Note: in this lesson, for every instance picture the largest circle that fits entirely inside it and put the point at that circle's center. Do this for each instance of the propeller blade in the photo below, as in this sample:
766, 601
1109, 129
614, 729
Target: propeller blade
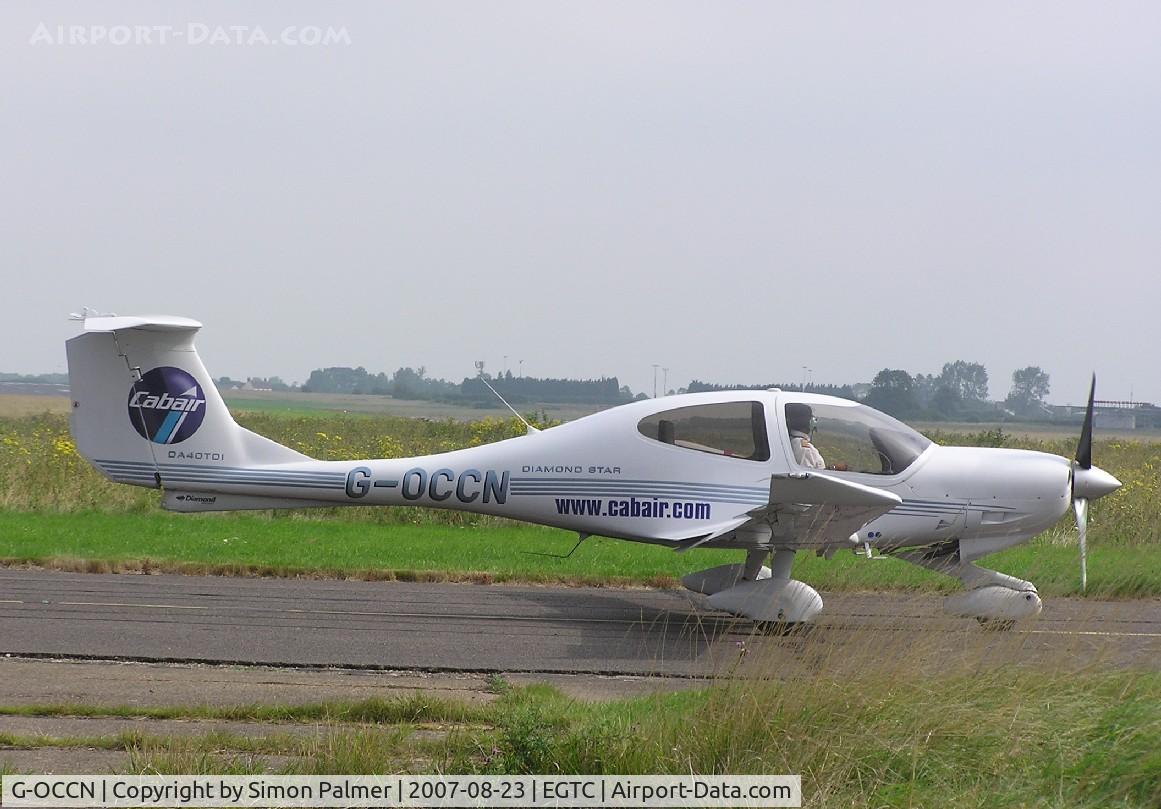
1084, 448
1080, 507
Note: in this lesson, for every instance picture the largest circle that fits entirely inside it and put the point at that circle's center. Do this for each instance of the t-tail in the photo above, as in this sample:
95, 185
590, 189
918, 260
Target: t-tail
145, 411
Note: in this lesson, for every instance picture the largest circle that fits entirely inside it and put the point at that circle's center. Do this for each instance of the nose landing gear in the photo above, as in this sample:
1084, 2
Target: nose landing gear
995, 599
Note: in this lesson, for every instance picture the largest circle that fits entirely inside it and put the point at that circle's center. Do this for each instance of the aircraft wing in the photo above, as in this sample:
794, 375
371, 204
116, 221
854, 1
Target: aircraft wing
807, 509
825, 510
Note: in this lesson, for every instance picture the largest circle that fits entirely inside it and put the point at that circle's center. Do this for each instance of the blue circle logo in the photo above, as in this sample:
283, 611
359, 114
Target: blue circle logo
167, 405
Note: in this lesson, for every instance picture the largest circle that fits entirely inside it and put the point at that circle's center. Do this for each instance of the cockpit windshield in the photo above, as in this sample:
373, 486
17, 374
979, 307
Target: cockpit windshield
851, 439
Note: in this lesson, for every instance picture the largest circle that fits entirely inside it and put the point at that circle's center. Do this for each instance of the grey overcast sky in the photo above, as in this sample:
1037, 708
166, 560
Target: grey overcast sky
732, 190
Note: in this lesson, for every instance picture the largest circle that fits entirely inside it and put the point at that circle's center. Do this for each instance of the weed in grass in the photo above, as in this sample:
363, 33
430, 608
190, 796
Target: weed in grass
188, 756
527, 738
497, 684
360, 751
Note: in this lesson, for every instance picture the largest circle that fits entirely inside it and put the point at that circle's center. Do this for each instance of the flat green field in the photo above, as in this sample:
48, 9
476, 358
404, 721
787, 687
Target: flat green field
14, 405
55, 510
256, 545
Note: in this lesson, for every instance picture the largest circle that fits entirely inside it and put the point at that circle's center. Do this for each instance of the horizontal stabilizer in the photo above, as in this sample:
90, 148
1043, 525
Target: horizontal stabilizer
141, 322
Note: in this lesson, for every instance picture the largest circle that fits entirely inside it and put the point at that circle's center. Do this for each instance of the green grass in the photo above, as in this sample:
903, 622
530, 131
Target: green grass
283, 546
116, 741
412, 709
56, 510
136, 742
1000, 738
974, 736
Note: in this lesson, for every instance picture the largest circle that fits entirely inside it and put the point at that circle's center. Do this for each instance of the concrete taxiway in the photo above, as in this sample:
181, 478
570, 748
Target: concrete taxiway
504, 628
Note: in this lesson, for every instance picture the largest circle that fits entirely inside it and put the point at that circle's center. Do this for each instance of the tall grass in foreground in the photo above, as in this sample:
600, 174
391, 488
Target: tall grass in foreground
882, 718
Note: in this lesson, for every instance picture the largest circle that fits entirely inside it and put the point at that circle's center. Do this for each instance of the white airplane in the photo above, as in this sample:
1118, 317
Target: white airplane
769, 473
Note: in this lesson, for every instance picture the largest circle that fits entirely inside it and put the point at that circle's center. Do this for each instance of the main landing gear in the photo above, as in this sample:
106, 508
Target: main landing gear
752, 590
768, 594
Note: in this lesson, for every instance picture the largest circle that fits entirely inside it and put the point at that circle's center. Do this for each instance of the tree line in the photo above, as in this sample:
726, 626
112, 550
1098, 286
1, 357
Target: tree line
36, 379
414, 383
958, 392
842, 391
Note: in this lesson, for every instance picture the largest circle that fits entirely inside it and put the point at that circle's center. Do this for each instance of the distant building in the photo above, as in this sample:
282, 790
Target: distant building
1109, 414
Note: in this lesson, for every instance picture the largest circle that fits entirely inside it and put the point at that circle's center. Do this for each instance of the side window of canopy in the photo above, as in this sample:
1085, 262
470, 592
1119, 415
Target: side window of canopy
734, 429
854, 438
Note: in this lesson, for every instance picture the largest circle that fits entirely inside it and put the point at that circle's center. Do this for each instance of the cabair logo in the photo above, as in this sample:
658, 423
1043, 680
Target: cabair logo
167, 405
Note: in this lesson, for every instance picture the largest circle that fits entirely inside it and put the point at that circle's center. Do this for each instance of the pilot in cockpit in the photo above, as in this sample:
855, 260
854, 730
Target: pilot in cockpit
798, 420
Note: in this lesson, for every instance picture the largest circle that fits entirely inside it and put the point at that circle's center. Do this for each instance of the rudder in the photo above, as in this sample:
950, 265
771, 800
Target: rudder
142, 400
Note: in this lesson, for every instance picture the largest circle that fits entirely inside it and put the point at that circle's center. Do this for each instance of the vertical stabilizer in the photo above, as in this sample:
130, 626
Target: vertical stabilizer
143, 401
